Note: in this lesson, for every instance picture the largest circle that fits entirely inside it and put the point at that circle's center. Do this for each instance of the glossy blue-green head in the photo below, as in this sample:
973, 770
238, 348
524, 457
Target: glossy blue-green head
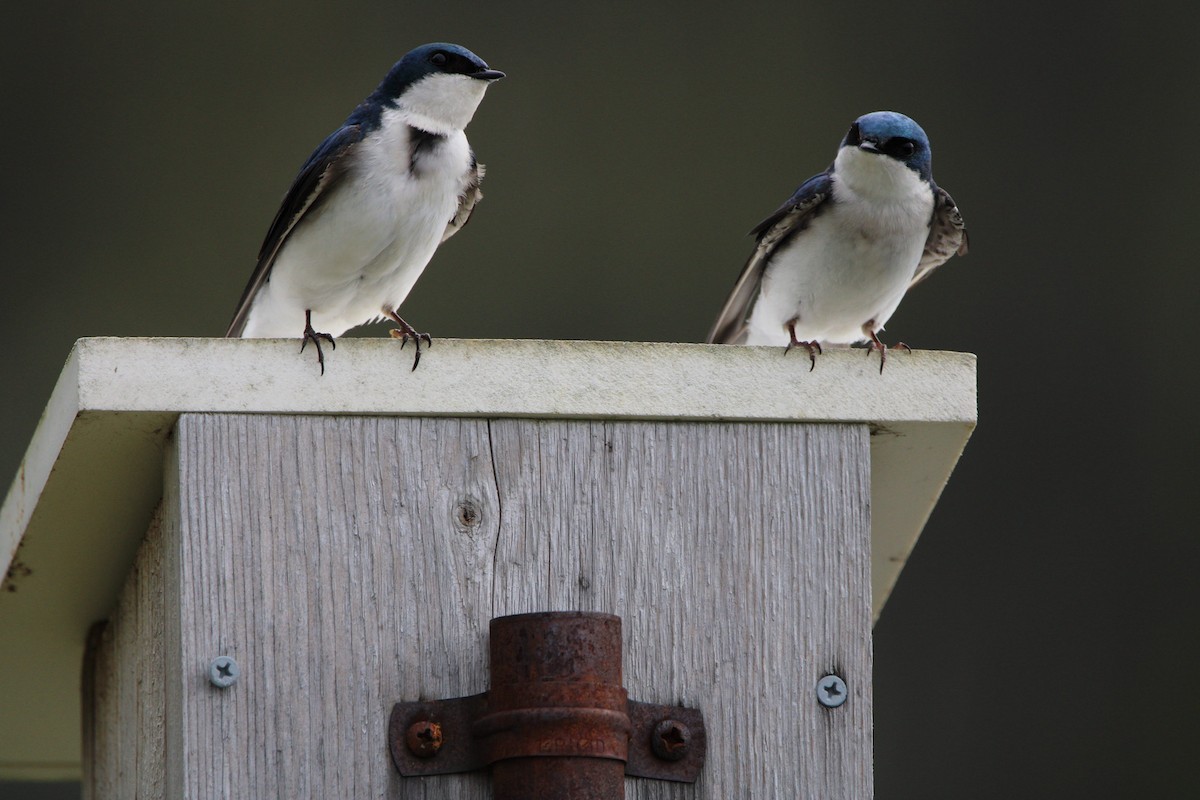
892, 135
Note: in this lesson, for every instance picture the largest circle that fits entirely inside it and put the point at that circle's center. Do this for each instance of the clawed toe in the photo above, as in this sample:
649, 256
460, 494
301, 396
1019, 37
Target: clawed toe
315, 336
876, 344
813, 347
407, 332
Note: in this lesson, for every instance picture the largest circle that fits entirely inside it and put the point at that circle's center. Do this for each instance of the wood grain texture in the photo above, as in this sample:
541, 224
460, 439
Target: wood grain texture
329, 557
737, 556
347, 563
124, 685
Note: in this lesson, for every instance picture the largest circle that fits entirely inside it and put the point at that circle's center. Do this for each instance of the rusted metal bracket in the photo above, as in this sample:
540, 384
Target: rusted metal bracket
557, 721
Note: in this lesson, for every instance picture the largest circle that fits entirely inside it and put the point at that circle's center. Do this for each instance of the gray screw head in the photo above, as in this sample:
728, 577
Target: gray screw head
223, 672
831, 691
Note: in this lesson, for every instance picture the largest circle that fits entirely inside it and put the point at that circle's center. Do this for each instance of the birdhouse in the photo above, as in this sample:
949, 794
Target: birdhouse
227, 574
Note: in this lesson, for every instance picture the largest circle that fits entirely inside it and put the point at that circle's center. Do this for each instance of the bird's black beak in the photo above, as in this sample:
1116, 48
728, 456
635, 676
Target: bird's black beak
488, 74
869, 146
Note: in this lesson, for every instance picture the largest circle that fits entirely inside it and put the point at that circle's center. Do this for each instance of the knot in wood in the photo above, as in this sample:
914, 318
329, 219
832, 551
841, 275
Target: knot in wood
468, 514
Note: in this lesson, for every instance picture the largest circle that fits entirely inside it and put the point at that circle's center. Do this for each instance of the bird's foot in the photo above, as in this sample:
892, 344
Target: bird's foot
315, 337
875, 344
813, 347
407, 332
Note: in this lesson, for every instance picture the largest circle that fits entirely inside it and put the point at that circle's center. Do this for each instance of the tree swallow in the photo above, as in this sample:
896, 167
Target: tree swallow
371, 205
833, 263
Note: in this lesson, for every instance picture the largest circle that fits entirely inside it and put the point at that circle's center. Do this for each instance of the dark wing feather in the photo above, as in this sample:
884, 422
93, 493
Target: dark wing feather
947, 236
471, 195
319, 174
792, 217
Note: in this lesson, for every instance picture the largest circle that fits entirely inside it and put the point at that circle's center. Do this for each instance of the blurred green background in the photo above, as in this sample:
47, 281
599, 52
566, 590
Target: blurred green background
1042, 641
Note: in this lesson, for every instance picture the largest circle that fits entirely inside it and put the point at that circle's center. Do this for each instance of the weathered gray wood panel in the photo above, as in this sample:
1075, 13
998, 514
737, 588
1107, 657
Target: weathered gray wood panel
737, 556
327, 557
350, 562
124, 688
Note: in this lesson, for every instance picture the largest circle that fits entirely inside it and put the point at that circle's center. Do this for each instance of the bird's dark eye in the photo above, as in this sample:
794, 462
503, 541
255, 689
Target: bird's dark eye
438, 59
900, 148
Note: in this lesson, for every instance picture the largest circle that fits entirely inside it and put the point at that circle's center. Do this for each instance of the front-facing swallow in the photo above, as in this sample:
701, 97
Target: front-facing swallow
371, 205
833, 263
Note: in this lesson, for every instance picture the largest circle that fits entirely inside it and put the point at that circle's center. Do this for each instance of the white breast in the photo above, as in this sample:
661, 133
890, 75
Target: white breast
365, 246
854, 262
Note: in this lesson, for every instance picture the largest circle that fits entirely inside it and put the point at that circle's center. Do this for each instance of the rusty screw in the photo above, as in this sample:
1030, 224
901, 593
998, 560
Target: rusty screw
424, 739
670, 740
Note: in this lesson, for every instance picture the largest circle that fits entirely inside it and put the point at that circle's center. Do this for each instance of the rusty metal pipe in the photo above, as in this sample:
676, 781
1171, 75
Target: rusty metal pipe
557, 725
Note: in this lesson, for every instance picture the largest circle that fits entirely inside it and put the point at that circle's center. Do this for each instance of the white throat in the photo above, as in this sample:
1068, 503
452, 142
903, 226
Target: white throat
877, 177
442, 103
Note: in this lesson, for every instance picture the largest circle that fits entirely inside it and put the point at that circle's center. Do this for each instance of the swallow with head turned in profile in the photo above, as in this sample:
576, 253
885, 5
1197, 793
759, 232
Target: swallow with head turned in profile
832, 264
371, 205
